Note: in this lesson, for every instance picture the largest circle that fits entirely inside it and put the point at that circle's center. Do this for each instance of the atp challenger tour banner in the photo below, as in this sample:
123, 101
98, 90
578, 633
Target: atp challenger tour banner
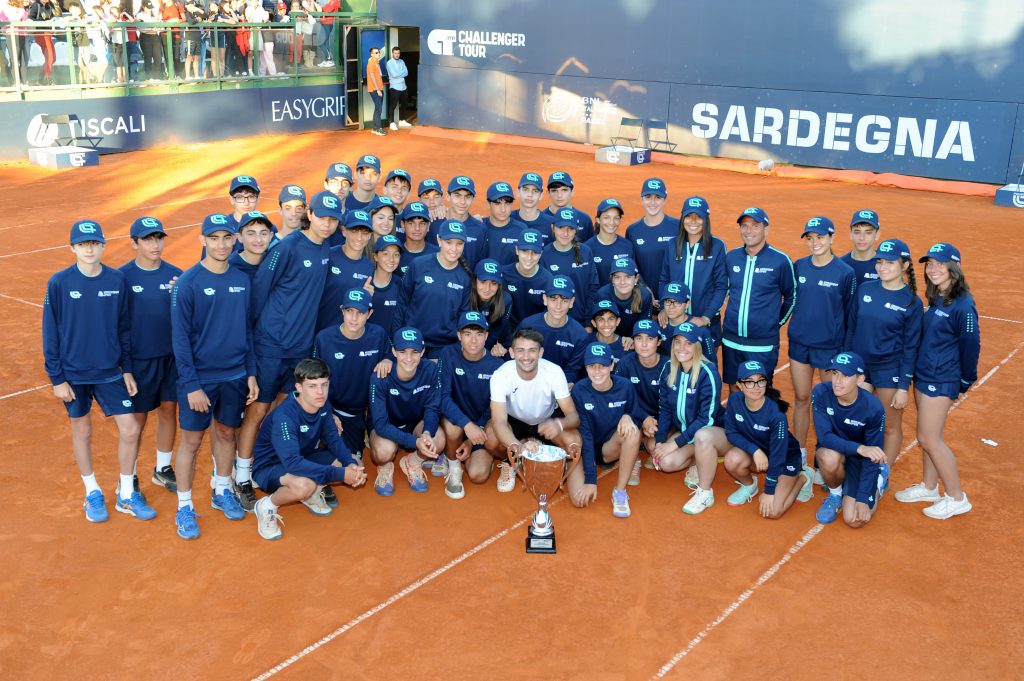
129, 123
853, 85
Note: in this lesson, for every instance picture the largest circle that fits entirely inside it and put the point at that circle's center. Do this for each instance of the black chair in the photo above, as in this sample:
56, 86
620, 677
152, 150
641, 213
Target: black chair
67, 137
662, 144
630, 132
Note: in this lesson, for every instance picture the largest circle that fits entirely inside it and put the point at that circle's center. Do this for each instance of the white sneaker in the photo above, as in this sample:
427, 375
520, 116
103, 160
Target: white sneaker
700, 499
404, 124
947, 507
506, 477
918, 492
440, 467
393, 127
620, 503
453, 487
818, 480
806, 492
268, 523
692, 478
634, 476
316, 503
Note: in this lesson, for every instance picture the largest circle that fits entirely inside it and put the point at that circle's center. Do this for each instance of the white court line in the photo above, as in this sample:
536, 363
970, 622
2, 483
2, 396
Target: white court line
115, 212
20, 300
403, 593
26, 390
781, 369
1000, 319
740, 600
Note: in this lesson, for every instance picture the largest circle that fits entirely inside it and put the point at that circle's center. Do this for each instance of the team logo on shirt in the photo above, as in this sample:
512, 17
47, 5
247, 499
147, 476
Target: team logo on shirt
554, 268
235, 289
209, 291
137, 289
867, 298
335, 270
790, 469
830, 411
303, 428
339, 355
307, 263
588, 406
739, 417
459, 371
126, 403
802, 279
427, 279
393, 391
640, 242
736, 268
634, 379
512, 288
75, 294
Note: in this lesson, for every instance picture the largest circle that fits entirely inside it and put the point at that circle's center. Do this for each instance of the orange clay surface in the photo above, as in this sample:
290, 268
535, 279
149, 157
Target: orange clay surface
418, 586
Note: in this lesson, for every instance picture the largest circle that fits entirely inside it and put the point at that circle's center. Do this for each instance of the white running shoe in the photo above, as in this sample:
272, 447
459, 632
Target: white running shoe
700, 499
806, 492
634, 476
692, 479
506, 477
620, 503
404, 124
317, 504
918, 492
453, 487
393, 127
268, 523
947, 507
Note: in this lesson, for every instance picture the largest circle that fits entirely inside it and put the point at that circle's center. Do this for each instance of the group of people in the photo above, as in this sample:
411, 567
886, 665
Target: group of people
208, 44
439, 339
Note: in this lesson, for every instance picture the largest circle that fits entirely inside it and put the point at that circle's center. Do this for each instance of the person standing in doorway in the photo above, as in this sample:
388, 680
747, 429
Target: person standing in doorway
398, 89
375, 86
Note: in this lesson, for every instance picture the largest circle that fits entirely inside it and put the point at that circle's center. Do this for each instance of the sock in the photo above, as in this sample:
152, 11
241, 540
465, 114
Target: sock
838, 491
185, 499
803, 456
221, 484
90, 483
242, 469
214, 466
135, 467
269, 504
126, 488
414, 457
163, 459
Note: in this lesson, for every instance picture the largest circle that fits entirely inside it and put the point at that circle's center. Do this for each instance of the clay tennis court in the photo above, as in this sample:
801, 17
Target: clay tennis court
418, 586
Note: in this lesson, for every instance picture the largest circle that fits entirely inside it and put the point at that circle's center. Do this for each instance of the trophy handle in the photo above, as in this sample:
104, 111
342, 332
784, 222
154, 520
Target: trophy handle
513, 460
573, 453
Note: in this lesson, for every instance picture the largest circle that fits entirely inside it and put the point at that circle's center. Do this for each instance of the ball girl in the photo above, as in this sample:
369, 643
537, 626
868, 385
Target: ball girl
607, 246
565, 255
489, 297
632, 299
387, 286
525, 278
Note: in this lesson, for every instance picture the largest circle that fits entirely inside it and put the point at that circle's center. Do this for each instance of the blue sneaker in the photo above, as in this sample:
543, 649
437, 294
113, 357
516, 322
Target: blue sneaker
188, 528
227, 501
829, 509
883, 480
95, 507
385, 485
135, 506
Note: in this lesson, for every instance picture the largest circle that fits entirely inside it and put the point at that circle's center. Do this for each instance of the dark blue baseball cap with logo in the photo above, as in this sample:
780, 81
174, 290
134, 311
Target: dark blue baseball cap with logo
892, 249
499, 190
428, 185
565, 217
624, 265
244, 182
598, 353
696, 205
326, 205
341, 170
530, 240
654, 186
472, 318
462, 182
357, 219
866, 216
385, 241
451, 229
609, 204
407, 337
89, 230
368, 161
531, 180
561, 286
143, 227
602, 306
847, 363
399, 173
648, 327
256, 216
755, 213
941, 252
416, 209
751, 368
380, 202
357, 298
217, 222
291, 192
488, 269
558, 179
820, 225
675, 290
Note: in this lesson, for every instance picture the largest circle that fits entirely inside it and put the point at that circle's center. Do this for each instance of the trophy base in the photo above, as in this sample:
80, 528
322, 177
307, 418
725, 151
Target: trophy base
539, 544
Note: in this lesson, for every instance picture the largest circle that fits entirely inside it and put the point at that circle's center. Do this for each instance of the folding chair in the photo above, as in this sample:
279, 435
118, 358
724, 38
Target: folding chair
630, 131
663, 144
68, 138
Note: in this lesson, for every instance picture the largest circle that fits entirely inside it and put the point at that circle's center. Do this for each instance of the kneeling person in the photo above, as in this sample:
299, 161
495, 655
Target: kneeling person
299, 452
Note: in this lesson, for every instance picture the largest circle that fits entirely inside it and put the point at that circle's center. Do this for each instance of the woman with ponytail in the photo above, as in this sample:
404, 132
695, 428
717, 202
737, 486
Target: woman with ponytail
566, 256
489, 297
606, 245
633, 300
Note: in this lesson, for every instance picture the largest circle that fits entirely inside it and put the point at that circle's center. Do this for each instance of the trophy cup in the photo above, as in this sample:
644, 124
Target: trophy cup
543, 471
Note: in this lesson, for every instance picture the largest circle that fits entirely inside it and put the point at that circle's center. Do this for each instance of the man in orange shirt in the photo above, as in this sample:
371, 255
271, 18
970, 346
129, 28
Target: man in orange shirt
375, 85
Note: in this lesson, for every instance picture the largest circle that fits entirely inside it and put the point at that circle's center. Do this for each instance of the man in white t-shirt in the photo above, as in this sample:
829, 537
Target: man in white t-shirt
530, 399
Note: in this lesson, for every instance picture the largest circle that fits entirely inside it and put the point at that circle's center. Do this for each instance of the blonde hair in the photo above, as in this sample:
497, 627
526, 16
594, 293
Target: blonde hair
695, 364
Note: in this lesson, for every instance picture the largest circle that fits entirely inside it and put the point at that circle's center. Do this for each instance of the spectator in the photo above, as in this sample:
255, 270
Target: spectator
173, 12
262, 40
120, 37
44, 11
12, 10
375, 84
398, 90
149, 40
217, 37
80, 40
310, 35
194, 15
327, 33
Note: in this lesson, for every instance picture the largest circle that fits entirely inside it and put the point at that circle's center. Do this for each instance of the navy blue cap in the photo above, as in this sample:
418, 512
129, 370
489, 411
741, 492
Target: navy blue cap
892, 249
217, 222
407, 337
655, 186
559, 177
379, 202
357, 219
241, 181
697, 205
451, 229
499, 190
751, 368
690, 332
819, 225
143, 227
368, 161
753, 212
648, 327
565, 217
531, 180
602, 306
942, 252
561, 286
385, 241
291, 192
530, 240
255, 216
341, 170
625, 265
358, 298
416, 209
398, 172
488, 269
847, 363
325, 205
675, 290
598, 353
868, 216
472, 318
608, 204
89, 230
462, 182
428, 185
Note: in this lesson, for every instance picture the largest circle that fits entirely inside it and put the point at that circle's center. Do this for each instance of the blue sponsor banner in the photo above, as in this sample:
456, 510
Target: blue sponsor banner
949, 139
128, 123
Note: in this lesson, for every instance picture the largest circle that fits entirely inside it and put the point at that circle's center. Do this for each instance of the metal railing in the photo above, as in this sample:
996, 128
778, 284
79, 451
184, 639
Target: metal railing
138, 56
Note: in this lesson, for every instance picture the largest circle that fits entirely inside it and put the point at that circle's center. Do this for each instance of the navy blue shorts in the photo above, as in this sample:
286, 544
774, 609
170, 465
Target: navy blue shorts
733, 357
112, 396
816, 357
269, 478
227, 405
354, 429
157, 379
885, 378
950, 390
275, 375
856, 467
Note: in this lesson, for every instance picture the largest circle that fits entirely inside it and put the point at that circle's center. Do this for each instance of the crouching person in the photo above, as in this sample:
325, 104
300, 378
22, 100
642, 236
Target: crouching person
298, 451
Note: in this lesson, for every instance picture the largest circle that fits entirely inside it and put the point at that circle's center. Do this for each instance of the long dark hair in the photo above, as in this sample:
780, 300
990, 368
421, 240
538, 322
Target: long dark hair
911, 277
772, 393
957, 287
705, 238
496, 305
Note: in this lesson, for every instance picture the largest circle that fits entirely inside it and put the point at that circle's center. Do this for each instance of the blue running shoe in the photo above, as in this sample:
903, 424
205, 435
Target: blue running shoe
385, 485
227, 501
883, 480
413, 471
188, 528
829, 509
95, 507
135, 506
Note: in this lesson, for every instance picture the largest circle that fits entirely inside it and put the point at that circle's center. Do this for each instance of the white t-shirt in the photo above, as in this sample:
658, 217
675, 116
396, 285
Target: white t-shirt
529, 401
